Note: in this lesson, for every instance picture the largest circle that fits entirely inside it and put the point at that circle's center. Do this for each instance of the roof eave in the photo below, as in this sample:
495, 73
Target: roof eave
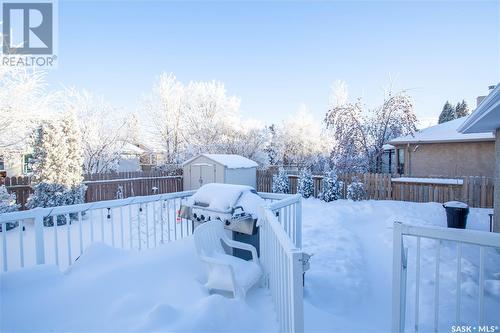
489, 104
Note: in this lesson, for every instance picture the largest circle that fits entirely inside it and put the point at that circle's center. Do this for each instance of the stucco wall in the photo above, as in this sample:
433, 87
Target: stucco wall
497, 183
450, 159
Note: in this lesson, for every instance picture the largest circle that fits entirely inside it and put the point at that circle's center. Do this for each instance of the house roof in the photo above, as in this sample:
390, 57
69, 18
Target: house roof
487, 115
231, 161
131, 149
445, 132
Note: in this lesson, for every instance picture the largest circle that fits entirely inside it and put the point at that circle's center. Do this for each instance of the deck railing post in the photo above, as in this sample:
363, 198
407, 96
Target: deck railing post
397, 280
298, 226
297, 292
39, 238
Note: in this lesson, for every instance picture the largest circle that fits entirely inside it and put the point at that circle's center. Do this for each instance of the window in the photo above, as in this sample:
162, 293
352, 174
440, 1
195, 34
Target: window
27, 163
2, 163
401, 161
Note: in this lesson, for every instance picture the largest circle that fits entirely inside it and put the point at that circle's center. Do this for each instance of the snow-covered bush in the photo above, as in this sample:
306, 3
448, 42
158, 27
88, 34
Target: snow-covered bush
356, 190
7, 204
53, 195
305, 184
331, 187
281, 183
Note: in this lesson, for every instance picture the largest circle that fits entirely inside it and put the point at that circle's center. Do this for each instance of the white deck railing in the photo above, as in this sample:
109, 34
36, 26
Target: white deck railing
149, 221
132, 223
482, 240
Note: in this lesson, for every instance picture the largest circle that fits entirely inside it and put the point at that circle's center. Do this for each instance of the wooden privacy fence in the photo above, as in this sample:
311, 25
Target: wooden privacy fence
105, 189
123, 188
20, 186
475, 191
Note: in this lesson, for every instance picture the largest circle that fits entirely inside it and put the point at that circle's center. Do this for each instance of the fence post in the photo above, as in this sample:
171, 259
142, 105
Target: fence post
298, 216
398, 306
297, 292
39, 240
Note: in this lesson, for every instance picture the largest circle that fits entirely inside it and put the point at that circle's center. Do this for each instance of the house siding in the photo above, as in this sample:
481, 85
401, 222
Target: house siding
496, 204
450, 159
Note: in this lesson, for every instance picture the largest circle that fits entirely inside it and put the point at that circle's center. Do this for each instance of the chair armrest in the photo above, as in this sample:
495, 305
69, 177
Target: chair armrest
243, 246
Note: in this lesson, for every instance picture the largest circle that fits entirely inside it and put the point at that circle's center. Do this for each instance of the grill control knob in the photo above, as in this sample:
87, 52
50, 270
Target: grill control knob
228, 222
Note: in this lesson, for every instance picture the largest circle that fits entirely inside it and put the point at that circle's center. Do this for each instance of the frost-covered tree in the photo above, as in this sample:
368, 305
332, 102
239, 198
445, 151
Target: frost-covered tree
104, 133
305, 185
358, 134
447, 114
200, 117
331, 186
281, 183
300, 139
24, 101
57, 167
74, 150
356, 190
461, 110
7, 205
164, 109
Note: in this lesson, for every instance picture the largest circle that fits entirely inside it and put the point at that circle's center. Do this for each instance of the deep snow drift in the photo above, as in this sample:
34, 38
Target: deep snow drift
115, 290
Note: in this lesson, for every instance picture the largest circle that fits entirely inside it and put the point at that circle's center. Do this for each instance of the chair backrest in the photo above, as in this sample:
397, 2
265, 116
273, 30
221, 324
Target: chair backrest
207, 238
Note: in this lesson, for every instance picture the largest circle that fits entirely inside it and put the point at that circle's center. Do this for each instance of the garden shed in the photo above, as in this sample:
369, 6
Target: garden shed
219, 168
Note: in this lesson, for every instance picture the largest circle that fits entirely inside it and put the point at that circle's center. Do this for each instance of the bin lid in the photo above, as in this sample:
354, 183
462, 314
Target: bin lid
455, 204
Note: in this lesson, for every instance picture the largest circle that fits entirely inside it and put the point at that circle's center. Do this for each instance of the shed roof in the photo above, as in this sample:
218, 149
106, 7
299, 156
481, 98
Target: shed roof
231, 161
445, 132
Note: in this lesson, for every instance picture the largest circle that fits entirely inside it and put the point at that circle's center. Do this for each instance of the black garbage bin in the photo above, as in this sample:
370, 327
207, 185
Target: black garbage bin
456, 214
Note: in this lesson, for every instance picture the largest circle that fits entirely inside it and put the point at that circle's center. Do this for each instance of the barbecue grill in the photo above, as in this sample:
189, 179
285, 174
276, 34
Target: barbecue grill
235, 205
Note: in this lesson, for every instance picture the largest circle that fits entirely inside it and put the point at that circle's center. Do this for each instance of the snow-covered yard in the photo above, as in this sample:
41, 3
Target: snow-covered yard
348, 287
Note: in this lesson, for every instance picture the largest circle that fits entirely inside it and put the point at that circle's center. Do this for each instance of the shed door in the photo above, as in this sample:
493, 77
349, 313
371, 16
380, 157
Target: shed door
201, 174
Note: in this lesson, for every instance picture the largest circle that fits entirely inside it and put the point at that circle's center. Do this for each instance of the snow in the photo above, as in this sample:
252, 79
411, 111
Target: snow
348, 288
445, 132
115, 290
444, 181
223, 197
456, 204
231, 161
349, 285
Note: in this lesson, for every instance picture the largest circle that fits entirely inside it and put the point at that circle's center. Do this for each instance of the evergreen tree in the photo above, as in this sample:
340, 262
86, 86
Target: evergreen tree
74, 157
7, 205
305, 184
57, 166
281, 183
447, 114
462, 109
356, 190
331, 187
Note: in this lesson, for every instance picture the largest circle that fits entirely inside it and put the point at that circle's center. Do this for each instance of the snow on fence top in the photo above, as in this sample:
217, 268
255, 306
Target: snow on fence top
445, 132
231, 161
443, 181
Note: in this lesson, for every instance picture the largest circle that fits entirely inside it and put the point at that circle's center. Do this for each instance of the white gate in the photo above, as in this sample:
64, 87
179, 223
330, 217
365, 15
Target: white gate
404, 232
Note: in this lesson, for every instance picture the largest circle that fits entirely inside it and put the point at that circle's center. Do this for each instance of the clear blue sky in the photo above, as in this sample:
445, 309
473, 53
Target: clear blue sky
277, 55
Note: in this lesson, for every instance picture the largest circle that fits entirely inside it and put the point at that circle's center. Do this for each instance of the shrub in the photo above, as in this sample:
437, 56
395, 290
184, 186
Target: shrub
331, 187
7, 205
305, 184
281, 183
54, 195
356, 190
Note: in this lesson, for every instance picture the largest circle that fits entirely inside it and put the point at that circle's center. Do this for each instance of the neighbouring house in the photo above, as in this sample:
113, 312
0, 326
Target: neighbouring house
138, 157
219, 168
486, 118
15, 164
443, 151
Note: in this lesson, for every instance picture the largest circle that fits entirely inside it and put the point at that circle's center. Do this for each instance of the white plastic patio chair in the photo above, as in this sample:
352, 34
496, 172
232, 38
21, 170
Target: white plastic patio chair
225, 272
